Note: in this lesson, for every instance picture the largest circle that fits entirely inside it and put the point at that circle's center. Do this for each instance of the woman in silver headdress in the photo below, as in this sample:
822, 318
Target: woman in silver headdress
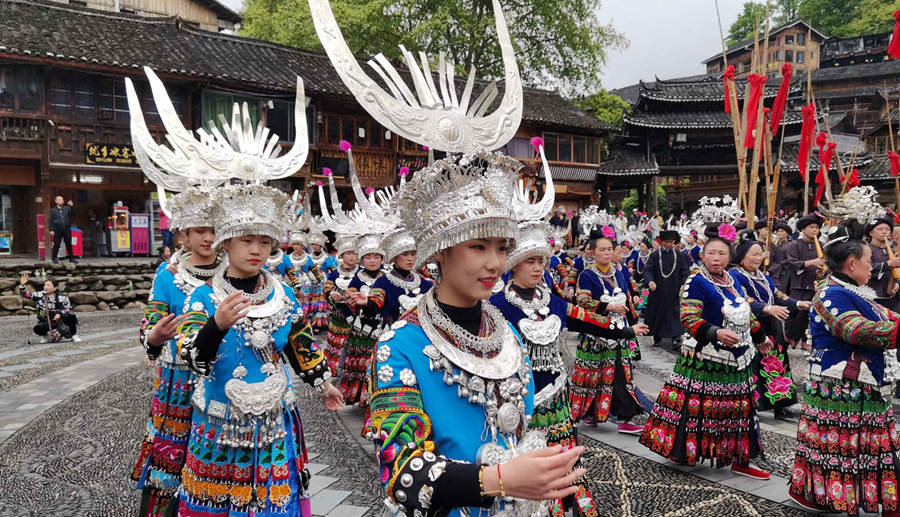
240, 333
334, 290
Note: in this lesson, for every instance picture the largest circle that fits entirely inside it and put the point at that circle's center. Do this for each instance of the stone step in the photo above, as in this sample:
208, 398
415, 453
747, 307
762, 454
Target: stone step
326, 500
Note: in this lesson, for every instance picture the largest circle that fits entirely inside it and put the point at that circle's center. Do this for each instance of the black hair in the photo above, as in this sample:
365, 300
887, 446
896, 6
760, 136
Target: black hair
838, 252
711, 232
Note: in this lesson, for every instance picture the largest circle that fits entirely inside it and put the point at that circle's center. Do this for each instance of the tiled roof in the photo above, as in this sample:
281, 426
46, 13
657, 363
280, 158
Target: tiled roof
878, 169
789, 159
67, 34
863, 71
710, 88
694, 119
627, 161
567, 173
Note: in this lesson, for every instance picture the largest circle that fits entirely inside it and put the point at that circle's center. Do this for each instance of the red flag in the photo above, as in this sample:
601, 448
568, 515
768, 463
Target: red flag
826, 154
895, 163
781, 99
894, 47
853, 179
807, 130
757, 83
726, 77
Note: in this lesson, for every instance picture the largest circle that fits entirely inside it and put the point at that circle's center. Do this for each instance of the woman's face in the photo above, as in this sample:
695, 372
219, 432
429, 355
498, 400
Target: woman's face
248, 254
603, 252
860, 269
49, 288
406, 260
529, 272
783, 235
469, 270
372, 261
166, 253
644, 248
297, 247
200, 240
350, 259
715, 256
753, 259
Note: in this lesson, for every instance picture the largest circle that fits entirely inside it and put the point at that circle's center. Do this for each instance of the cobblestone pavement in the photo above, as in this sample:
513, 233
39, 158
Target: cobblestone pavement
74, 456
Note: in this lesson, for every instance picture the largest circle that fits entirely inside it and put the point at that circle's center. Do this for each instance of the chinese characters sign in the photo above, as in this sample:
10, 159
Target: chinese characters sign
109, 154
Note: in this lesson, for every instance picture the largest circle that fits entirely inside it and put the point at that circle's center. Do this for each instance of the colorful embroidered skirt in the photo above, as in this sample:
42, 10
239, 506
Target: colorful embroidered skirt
773, 381
601, 380
220, 480
704, 411
355, 359
338, 330
554, 419
306, 297
162, 453
847, 449
318, 310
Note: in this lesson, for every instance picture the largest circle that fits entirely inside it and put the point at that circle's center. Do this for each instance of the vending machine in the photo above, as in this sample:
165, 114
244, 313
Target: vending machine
140, 234
120, 234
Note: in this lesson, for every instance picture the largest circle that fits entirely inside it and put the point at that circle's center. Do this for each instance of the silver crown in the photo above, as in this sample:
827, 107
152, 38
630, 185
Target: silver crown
251, 210
532, 240
442, 120
191, 209
594, 217
860, 203
397, 242
344, 243
369, 243
300, 237
317, 238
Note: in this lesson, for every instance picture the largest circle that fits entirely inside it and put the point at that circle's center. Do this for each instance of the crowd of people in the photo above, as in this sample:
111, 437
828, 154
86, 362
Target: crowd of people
444, 312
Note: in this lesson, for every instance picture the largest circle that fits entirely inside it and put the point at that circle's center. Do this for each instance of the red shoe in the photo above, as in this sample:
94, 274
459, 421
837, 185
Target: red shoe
805, 503
750, 472
628, 428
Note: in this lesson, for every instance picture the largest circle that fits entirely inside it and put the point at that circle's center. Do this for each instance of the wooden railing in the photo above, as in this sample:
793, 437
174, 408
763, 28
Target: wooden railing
21, 127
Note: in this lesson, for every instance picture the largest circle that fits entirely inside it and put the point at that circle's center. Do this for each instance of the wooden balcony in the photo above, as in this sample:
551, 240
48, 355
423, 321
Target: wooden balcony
21, 135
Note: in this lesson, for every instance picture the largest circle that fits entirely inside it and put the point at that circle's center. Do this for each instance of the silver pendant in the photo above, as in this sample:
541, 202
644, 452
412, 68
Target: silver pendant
259, 339
508, 418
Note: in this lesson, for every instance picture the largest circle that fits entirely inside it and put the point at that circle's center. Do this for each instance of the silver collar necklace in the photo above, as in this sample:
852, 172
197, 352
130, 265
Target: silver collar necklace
221, 285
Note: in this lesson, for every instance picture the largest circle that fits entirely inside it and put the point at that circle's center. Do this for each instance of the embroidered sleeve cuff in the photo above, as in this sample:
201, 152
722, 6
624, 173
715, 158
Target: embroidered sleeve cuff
416, 485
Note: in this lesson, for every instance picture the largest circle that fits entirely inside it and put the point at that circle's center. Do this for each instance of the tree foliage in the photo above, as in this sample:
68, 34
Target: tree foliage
871, 16
829, 16
558, 43
608, 107
751, 16
786, 11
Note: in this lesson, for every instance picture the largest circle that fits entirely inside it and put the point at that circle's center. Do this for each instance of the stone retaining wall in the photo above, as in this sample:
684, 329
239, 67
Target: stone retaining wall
101, 286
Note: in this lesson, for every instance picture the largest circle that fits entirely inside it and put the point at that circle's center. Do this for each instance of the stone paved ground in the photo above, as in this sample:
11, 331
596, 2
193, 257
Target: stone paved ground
72, 417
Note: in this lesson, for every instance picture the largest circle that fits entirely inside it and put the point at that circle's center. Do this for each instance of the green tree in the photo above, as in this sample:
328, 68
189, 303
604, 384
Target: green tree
752, 15
871, 16
559, 43
631, 202
786, 11
606, 106
831, 17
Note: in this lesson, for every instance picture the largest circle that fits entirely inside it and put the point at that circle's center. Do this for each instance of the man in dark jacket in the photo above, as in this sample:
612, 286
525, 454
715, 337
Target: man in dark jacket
61, 216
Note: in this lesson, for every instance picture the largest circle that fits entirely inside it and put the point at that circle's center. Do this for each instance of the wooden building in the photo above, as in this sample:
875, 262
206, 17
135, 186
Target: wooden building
209, 15
868, 48
64, 117
795, 42
678, 135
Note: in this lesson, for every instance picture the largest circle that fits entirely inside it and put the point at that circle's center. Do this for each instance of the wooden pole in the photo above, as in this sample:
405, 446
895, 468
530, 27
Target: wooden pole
808, 172
760, 130
891, 139
740, 152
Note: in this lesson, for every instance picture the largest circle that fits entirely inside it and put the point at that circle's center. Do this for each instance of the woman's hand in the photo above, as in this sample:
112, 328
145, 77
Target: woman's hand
539, 475
804, 306
23, 278
164, 330
231, 310
777, 311
332, 397
766, 346
727, 337
641, 329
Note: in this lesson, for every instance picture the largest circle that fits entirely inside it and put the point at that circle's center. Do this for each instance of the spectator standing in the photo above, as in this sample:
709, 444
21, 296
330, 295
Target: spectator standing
61, 216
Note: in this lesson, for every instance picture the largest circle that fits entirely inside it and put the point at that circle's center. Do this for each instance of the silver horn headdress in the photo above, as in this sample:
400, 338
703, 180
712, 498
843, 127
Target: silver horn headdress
442, 120
533, 236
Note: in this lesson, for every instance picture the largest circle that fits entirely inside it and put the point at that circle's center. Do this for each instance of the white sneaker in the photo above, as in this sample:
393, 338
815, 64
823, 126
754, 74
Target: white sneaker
43, 339
75, 338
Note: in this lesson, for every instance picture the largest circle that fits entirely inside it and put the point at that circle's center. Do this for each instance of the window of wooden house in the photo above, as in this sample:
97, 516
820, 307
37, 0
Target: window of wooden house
376, 138
579, 149
74, 95
280, 120
777, 55
348, 126
565, 148
215, 103
593, 150
551, 146
332, 129
788, 56
21, 88
789, 39
362, 132
801, 39
800, 56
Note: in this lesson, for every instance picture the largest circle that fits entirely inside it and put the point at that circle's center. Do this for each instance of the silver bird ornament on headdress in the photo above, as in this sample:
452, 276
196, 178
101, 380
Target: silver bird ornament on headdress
440, 121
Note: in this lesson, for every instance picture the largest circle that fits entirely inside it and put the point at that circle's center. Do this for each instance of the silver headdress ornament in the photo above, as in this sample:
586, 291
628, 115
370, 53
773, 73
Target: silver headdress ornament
344, 243
714, 210
189, 209
251, 210
299, 236
369, 243
532, 240
594, 217
860, 203
440, 121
